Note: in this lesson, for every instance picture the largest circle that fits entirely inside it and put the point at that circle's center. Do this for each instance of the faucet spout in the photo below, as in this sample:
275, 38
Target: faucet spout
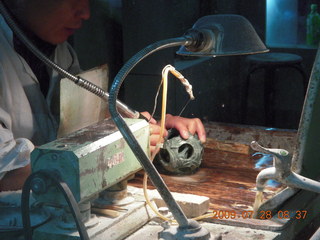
264, 176
281, 171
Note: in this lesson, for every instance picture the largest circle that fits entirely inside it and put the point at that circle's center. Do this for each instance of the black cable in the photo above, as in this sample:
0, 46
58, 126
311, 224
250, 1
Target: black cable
64, 188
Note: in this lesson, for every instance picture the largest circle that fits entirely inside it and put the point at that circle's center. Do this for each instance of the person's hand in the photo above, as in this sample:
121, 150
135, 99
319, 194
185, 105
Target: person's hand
186, 126
155, 137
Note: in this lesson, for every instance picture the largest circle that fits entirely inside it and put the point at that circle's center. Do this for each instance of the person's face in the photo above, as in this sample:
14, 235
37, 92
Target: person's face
55, 20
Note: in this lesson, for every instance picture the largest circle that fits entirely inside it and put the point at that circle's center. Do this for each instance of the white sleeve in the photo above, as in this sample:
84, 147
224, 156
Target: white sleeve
14, 153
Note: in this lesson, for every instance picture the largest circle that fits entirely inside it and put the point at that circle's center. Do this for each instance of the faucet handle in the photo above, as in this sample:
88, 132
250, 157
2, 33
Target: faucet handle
281, 157
280, 153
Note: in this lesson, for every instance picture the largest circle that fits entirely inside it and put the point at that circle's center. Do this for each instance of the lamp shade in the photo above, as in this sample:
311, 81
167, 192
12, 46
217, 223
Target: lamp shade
225, 34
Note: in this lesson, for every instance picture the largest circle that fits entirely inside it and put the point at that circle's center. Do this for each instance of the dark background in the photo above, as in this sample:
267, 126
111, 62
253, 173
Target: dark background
119, 29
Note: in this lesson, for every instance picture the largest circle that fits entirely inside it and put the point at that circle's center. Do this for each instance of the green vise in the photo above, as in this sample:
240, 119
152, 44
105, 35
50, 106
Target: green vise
89, 160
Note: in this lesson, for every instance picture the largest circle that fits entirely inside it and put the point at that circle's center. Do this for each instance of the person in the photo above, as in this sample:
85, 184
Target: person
29, 91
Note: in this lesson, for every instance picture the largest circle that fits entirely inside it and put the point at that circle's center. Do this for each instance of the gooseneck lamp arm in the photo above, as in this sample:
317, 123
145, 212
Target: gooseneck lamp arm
128, 135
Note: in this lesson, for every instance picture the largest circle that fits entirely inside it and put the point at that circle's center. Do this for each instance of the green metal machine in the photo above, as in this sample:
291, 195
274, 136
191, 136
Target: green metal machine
89, 161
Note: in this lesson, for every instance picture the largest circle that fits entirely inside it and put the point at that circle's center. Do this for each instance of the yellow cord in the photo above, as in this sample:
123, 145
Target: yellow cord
164, 81
165, 72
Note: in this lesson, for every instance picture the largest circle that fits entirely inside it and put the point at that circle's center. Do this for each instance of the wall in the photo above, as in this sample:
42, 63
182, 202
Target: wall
99, 41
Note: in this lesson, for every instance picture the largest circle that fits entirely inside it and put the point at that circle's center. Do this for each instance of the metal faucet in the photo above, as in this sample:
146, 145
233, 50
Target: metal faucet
281, 171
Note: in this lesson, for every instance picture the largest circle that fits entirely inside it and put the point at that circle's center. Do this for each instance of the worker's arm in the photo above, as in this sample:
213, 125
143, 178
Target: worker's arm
14, 159
14, 179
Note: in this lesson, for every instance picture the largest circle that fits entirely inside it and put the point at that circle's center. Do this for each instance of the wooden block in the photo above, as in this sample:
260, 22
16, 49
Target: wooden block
192, 205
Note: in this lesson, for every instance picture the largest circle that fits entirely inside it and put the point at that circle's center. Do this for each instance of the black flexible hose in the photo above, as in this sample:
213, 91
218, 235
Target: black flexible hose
63, 187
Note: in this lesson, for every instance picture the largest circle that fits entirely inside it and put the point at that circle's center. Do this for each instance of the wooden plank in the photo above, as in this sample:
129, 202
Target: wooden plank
227, 146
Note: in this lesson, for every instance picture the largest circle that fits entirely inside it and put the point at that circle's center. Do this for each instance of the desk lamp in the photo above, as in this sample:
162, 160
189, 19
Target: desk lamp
214, 35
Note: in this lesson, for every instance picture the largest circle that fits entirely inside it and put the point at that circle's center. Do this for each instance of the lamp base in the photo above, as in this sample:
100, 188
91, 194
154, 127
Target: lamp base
194, 231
